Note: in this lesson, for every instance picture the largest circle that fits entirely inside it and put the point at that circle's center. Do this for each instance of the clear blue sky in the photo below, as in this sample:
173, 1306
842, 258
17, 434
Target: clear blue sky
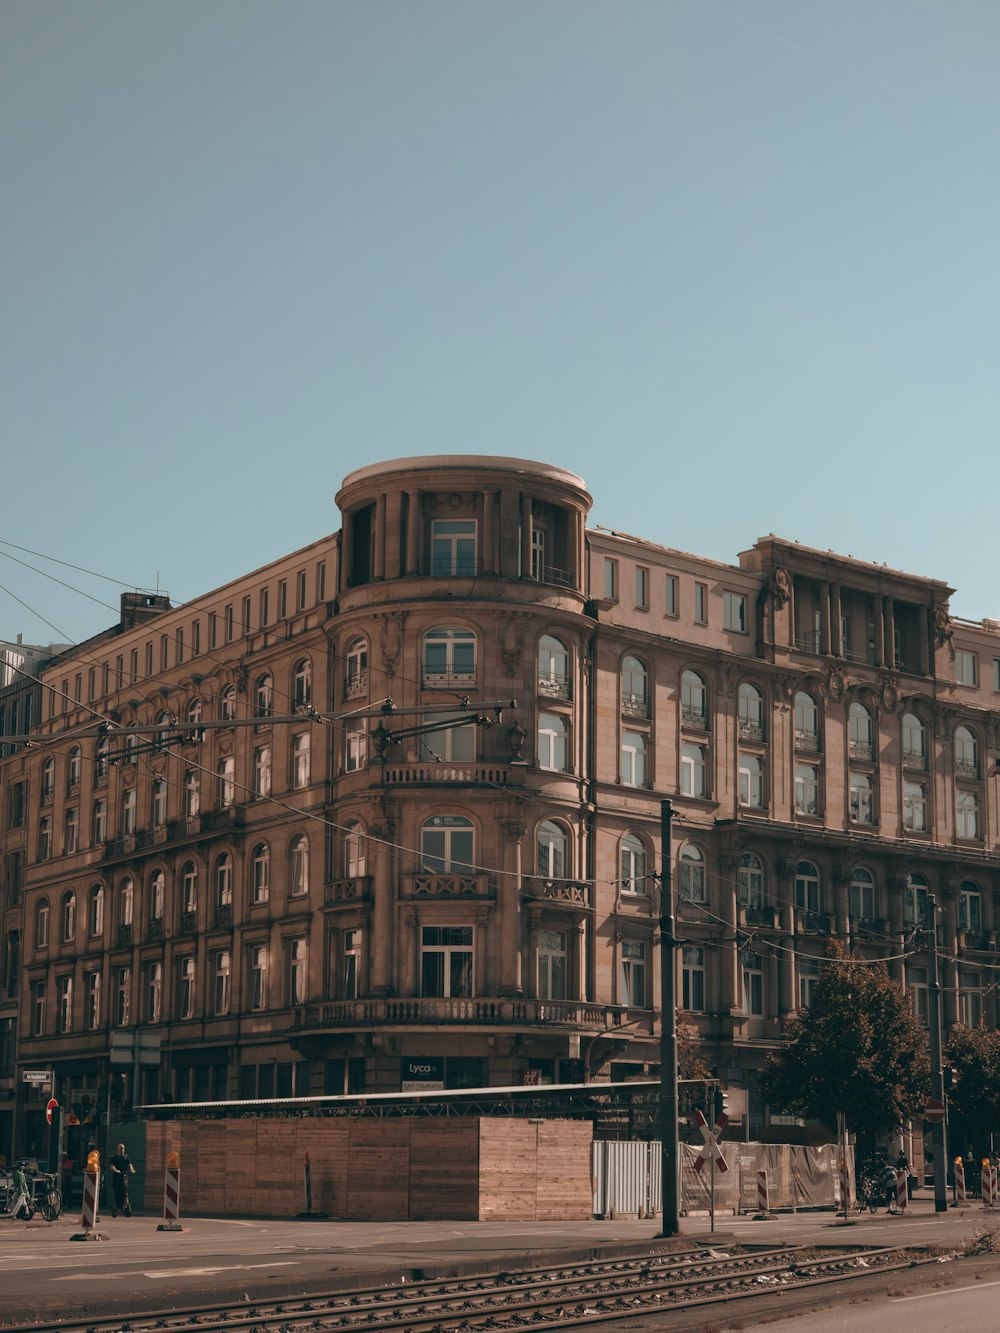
733, 261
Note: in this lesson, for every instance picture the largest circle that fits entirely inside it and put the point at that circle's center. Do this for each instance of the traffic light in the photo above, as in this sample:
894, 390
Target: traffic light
721, 1103
950, 1077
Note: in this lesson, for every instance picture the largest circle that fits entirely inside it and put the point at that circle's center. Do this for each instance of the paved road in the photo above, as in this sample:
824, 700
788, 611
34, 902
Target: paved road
43, 1272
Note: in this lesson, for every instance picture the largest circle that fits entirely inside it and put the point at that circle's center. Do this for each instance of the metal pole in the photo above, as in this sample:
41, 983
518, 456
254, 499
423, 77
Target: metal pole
669, 1136
939, 1133
711, 1186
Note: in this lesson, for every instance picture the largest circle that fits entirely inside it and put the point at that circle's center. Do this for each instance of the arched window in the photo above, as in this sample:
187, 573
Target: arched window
158, 803
130, 749
260, 873
553, 742
189, 887
552, 850
192, 793
95, 912
861, 904
165, 722
692, 874
633, 865
67, 932
227, 703
263, 697
42, 923
446, 845
914, 741
751, 712
751, 774
553, 667
156, 895
356, 660
74, 764
633, 759
807, 888
970, 907
48, 779
449, 656
966, 753
224, 881
355, 851
101, 750
806, 722
967, 814
694, 769
750, 880
298, 876
302, 683
860, 731
635, 688
916, 907
862, 799
195, 713
694, 701
226, 774
126, 902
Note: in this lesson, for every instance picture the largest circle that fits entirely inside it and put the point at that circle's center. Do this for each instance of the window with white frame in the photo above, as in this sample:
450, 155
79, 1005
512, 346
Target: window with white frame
808, 970
262, 771
751, 712
750, 881
302, 683
446, 845
693, 978
453, 546
298, 879
915, 807
694, 770
538, 554
862, 799
192, 793
634, 759
633, 865
446, 961
263, 697
751, 773
806, 721
48, 784
92, 1000
45, 838
806, 789
156, 895
185, 987
221, 978
260, 873
189, 887
356, 745
71, 831
632, 976
100, 822
227, 703
356, 667
95, 912
449, 656
635, 688
226, 782
807, 888
966, 667
692, 874
970, 997
126, 903
753, 984
350, 970
64, 995
552, 850
123, 997
300, 760
914, 741
224, 881
296, 965
967, 814
128, 812
859, 727
42, 923
734, 611
970, 907
356, 850
916, 980
553, 667
553, 959
74, 766
966, 753
862, 895
68, 924
153, 987
694, 711
257, 961
159, 803
553, 742
916, 905
38, 1008
452, 740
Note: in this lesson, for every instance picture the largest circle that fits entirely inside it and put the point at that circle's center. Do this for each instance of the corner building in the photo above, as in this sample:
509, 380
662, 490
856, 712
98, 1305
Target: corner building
300, 887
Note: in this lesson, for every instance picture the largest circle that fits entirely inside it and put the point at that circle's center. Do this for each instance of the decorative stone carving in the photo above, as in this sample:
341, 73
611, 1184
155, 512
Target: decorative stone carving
781, 588
835, 684
514, 832
942, 627
510, 637
516, 736
888, 692
391, 625
242, 679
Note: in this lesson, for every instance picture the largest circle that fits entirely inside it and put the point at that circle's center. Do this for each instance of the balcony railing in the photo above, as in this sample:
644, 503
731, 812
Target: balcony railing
694, 717
353, 889
808, 642
437, 680
814, 923
154, 929
123, 935
860, 749
221, 819
755, 914
915, 759
751, 730
967, 768
553, 686
425, 1011
189, 923
635, 705
224, 914
977, 939
871, 925
807, 740
356, 686
574, 892
450, 886
417, 774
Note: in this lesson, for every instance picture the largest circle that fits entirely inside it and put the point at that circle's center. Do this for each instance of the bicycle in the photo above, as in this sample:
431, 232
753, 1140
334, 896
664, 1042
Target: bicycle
49, 1201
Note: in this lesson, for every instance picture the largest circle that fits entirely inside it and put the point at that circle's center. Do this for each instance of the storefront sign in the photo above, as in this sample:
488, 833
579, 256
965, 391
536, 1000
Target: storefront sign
423, 1073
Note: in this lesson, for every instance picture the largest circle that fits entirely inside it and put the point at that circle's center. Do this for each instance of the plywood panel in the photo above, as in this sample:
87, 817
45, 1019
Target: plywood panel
241, 1167
326, 1142
378, 1172
507, 1169
209, 1194
563, 1175
444, 1169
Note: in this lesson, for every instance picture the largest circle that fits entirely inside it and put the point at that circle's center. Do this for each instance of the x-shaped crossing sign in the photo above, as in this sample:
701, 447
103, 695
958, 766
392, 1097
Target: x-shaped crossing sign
711, 1137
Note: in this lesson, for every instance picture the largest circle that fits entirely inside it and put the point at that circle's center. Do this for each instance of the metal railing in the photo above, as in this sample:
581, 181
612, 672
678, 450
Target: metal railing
414, 774
571, 891
694, 717
467, 1010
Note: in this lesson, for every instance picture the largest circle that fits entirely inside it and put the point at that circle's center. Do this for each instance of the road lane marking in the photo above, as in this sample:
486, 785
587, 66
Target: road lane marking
176, 1272
950, 1291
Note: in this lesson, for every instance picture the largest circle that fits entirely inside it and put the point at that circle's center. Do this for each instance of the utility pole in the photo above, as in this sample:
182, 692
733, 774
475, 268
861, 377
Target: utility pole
668, 1037
940, 1131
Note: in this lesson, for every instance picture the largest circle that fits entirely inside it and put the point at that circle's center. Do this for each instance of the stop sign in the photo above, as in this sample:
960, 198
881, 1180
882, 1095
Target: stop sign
53, 1105
933, 1111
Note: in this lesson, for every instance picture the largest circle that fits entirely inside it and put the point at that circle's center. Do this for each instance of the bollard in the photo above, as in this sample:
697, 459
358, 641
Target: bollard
901, 1194
763, 1213
91, 1194
959, 1200
171, 1195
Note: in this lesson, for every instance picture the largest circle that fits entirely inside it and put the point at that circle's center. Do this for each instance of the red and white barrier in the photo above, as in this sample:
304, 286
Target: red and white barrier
171, 1195
91, 1196
959, 1181
763, 1197
901, 1192
989, 1179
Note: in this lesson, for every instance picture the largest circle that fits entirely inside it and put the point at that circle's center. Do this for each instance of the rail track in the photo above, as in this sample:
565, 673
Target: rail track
521, 1300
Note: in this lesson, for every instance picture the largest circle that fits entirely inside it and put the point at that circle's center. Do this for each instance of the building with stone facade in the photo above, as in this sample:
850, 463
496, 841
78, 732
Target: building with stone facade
385, 813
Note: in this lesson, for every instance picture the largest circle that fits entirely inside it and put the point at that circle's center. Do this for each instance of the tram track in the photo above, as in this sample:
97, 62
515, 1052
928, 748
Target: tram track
561, 1296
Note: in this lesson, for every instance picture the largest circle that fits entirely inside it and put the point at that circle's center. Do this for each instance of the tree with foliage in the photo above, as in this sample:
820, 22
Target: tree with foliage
974, 1099
858, 1049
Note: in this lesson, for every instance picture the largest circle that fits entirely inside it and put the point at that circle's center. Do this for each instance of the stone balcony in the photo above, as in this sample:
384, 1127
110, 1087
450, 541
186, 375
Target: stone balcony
425, 1011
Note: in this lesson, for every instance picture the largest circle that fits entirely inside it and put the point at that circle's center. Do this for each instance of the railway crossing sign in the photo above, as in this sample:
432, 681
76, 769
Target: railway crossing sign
711, 1137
